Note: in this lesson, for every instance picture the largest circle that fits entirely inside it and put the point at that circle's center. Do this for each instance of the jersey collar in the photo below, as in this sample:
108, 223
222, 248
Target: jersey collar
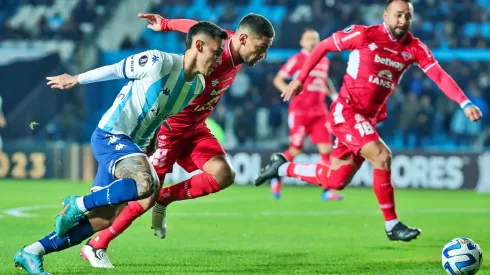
387, 31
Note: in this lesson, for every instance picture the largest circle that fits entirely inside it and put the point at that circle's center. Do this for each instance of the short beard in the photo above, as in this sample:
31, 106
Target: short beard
398, 36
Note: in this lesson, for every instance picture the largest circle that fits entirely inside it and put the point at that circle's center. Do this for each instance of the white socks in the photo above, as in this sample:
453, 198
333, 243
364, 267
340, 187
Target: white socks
35, 248
81, 205
390, 224
283, 169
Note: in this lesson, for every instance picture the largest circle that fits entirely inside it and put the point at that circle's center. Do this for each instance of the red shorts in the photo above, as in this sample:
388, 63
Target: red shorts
352, 131
190, 150
304, 124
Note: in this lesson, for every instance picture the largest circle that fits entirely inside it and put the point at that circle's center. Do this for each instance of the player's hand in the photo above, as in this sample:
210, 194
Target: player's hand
294, 88
154, 19
473, 113
62, 82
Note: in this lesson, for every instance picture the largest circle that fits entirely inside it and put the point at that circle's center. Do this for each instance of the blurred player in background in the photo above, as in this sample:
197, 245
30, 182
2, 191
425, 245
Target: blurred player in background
190, 142
160, 85
380, 55
3, 124
308, 112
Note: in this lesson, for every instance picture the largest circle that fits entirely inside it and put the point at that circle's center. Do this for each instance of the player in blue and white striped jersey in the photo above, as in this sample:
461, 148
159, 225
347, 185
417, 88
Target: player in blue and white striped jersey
160, 85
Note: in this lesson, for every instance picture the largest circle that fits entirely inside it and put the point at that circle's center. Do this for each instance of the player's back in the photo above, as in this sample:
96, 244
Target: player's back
315, 88
156, 90
194, 115
376, 64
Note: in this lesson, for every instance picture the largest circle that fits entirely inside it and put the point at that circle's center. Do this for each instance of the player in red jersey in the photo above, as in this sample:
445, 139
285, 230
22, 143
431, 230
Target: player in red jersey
380, 54
190, 142
307, 112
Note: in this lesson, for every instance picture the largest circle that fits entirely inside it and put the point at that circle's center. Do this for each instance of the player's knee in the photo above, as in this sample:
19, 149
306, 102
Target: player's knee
147, 186
383, 158
225, 176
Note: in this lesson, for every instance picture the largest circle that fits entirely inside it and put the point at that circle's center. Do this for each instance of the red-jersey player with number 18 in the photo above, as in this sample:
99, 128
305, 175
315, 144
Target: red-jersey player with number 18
308, 112
380, 55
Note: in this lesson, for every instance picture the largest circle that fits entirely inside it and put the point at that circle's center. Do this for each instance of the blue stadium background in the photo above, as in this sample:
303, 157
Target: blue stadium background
46, 37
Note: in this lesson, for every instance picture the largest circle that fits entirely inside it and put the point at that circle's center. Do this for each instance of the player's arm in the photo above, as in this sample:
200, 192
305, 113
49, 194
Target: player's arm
348, 39
160, 24
332, 92
139, 66
285, 74
445, 82
280, 82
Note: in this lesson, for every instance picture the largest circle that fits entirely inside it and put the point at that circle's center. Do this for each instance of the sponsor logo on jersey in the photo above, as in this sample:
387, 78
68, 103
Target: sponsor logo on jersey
372, 46
407, 56
215, 82
143, 60
349, 29
165, 91
154, 59
388, 62
386, 74
383, 79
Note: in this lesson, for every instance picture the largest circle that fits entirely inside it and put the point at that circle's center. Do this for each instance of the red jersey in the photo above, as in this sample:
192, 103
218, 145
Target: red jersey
312, 98
194, 115
376, 64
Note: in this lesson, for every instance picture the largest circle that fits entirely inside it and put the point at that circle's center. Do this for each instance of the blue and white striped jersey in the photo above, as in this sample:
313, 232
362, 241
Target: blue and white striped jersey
156, 90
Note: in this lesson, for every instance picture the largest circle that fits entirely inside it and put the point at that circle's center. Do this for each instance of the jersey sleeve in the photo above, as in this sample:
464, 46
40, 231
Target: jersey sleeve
349, 38
424, 56
290, 67
150, 65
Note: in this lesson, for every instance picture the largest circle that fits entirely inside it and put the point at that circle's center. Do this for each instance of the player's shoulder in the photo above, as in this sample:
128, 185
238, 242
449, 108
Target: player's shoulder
354, 28
170, 61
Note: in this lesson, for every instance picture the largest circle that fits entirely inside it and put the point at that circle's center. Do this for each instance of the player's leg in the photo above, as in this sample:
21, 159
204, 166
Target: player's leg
322, 137
135, 179
207, 155
162, 160
31, 257
297, 134
380, 157
343, 166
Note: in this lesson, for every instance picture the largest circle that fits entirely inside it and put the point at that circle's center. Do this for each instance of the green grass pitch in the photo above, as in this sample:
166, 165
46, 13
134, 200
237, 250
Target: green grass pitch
242, 230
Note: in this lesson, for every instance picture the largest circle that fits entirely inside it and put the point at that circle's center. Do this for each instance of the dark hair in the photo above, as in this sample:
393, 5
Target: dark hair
206, 28
388, 3
257, 24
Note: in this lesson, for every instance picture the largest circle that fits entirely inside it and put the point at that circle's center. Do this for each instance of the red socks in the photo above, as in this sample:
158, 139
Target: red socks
199, 185
317, 174
325, 159
311, 173
288, 155
385, 193
130, 213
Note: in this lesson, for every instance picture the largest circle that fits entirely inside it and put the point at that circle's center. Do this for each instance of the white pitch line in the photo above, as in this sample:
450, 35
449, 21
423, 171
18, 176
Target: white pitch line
21, 212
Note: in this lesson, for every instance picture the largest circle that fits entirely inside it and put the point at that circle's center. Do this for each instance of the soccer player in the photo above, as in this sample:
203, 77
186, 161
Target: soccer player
160, 85
190, 142
380, 55
307, 112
